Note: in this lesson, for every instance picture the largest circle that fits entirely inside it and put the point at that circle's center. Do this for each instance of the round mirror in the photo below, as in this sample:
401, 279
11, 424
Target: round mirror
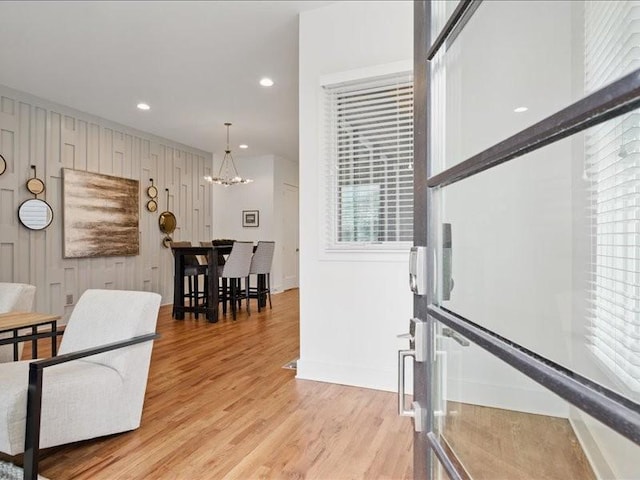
152, 191
152, 205
167, 222
35, 186
35, 214
3, 165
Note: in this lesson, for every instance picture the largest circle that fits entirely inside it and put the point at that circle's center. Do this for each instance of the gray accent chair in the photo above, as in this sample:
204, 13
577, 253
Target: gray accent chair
83, 395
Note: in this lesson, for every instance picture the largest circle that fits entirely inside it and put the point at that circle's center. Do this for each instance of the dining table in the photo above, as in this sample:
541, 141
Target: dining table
212, 283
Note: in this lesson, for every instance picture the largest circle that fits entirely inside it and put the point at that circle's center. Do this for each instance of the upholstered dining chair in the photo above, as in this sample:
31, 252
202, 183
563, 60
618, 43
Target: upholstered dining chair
261, 266
235, 270
14, 297
222, 290
94, 387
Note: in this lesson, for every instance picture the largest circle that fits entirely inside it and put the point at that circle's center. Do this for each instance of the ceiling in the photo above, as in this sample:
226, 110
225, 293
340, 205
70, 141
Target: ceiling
197, 64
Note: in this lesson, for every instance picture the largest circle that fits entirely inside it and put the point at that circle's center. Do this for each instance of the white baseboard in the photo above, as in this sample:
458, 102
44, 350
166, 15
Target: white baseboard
591, 449
535, 400
522, 399
348, 375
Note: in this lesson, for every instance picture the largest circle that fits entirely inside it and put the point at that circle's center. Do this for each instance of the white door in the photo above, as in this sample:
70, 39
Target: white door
290, 245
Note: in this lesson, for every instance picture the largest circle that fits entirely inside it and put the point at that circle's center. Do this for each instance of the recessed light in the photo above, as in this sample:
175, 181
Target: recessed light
143, 106
520, 109
243, 146
266, 82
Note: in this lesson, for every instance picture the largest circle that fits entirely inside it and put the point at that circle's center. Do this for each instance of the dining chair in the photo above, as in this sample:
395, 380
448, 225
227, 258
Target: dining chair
222, 258
192, 270
235, 270
17, 297
261, 267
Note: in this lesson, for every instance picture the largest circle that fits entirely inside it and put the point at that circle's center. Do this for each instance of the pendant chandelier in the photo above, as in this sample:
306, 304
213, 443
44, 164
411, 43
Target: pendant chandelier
228, 173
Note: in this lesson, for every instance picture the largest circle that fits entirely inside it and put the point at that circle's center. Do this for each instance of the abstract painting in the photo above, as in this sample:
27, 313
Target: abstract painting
100, 215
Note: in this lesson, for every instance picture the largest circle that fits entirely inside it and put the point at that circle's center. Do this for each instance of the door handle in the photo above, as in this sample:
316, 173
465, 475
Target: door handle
402, 411
441, 359
450, 333
416, 412
447, 253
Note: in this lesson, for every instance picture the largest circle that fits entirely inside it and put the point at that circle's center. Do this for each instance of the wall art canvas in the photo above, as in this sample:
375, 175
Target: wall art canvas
100, 215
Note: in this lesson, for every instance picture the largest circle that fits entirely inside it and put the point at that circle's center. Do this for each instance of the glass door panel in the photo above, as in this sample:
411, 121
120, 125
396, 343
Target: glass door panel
517, 62
545, 251
502, 425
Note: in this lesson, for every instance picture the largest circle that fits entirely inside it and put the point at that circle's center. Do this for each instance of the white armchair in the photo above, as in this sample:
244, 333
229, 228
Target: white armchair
14, 297
91, 396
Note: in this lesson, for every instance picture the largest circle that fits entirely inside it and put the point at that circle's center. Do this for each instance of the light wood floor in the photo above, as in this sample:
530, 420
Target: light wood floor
497, 444
220, 405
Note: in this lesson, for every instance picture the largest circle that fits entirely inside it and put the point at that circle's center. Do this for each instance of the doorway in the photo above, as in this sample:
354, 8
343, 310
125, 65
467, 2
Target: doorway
290, 249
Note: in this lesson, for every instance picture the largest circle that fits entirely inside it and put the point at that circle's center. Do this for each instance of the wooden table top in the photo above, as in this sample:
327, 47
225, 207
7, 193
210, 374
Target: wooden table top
11, 320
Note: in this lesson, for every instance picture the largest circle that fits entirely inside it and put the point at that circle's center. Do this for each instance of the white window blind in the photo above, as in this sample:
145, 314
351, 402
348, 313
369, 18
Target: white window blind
369, 152
612, 48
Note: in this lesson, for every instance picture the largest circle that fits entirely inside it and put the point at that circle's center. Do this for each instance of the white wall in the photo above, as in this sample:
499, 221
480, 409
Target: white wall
229, 202
52, 137
352, 306
269, 174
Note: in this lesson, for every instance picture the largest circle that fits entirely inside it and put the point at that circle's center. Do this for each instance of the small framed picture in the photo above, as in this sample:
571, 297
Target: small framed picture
250, 218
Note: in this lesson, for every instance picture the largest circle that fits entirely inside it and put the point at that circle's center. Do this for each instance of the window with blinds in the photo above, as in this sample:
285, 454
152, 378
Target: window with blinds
612, 152
369, 152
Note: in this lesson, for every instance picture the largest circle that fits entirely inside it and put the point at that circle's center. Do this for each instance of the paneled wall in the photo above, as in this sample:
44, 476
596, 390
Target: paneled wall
52, 137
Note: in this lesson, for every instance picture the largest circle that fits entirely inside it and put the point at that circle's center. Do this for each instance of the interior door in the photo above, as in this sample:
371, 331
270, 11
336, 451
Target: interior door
526, 336
290, 248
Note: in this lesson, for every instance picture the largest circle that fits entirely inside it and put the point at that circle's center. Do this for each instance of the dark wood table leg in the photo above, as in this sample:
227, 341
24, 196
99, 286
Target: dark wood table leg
212, 285
196, 293
178, 287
